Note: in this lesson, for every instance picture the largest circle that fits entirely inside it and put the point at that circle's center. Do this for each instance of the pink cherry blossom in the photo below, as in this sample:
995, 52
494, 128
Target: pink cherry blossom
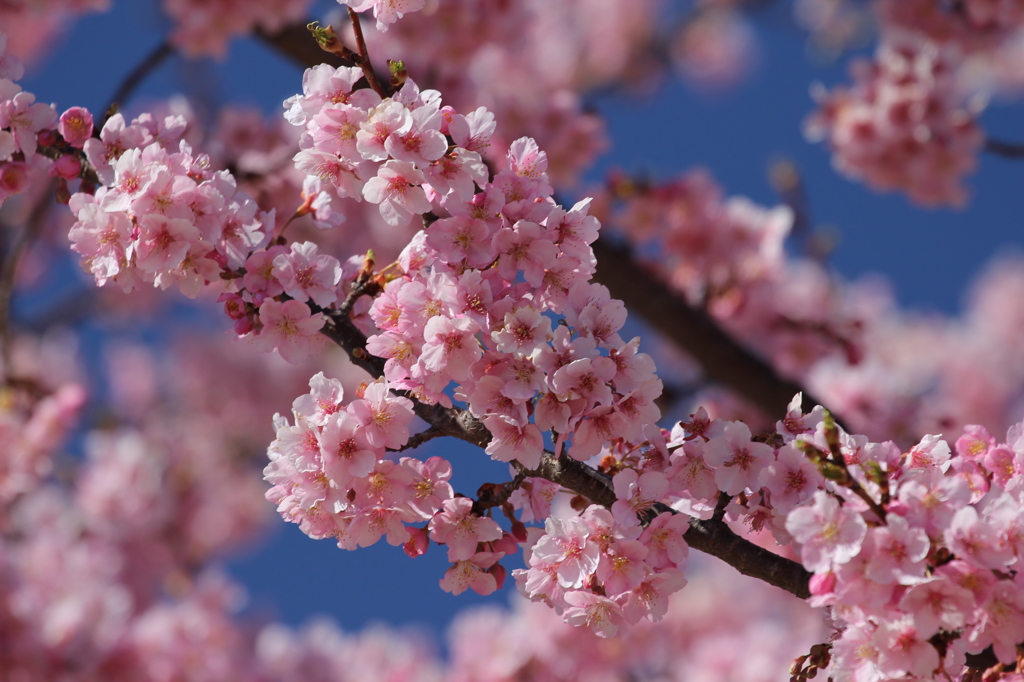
829, 534
471, 574
461, 529
345, 449
600, 614
289, 328
430, 486
450, 346
737, 461
565, 545
384, 415
396, 188
791, 478
521, 442
664, 538
75, 126
306, 274
898, 553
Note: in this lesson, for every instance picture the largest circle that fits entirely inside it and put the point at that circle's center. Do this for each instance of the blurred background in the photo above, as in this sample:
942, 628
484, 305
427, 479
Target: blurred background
730, 96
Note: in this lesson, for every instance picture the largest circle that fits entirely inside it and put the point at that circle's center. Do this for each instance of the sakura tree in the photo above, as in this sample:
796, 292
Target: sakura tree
406, 257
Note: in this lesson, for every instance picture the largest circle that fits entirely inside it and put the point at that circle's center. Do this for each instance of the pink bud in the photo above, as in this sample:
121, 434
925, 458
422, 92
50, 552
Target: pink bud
75, 126
417, 543
446, 118
67, 167
244, 326
234, 305
505, 545
822, 583
499, 573
46, 138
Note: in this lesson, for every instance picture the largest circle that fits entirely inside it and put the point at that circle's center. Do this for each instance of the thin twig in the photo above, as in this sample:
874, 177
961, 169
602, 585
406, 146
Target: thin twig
724, 360
139, 73
492, 495
10, 267
418, 439
1007, 150
364, 56
293, 42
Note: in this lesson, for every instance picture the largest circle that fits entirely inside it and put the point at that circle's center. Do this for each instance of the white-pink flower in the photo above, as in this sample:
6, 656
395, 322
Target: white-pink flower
306, 274
829, 534
521, 442
600, 614
450, 346
737, 460
386, 11
346, 452
385, 416
565, 544
791, 478
471, 574
396, 188
461, 529
290, 328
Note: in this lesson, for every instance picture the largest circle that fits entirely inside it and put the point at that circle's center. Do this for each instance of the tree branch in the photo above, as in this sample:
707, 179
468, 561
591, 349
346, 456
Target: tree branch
711, 537
295, 43
15, 250
724, 360
139, 73
1007, 150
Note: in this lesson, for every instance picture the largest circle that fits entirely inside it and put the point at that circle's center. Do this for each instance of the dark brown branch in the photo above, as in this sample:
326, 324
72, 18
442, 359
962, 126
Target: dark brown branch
749, 376
1007, 150
418, 439
724, 360
364, 56
15, 250
295, 43
717, 539
139, 73
711, 537
445, 421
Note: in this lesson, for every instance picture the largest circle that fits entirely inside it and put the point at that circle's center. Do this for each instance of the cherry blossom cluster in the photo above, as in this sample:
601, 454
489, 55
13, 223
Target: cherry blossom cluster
971, 24
30, 429
466, 303
528, 63
712, 249
31, 26
386, 12
601, 569
719, 614
331, 475
88, 591
903, 125
34, 140
915, 552
889, 372
162, 217
919, 564
727, 255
